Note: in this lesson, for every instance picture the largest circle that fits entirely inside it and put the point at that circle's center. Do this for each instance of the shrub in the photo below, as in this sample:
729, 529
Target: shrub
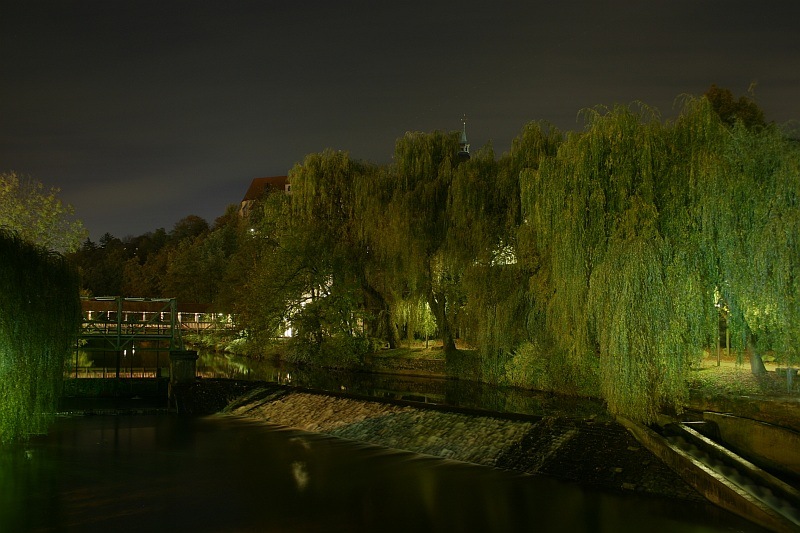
531, 367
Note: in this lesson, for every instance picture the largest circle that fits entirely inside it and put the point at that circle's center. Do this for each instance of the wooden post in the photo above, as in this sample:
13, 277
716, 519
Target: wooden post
119, 334
182, 373
182, 367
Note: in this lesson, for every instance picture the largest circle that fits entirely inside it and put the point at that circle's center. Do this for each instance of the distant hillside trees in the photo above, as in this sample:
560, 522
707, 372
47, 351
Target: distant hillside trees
731, 110
184, 263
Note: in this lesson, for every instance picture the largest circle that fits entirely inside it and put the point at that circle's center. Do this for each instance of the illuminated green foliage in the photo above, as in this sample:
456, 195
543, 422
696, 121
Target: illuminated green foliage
310, 265
636, 225
407, 206
344, 304
597, 262
592, 214
747, 207
416, 318
39, 316
485, 217
37, 214
263, 282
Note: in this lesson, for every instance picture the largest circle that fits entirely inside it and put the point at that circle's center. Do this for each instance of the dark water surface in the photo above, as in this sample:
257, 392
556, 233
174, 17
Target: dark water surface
459, 393
165, 473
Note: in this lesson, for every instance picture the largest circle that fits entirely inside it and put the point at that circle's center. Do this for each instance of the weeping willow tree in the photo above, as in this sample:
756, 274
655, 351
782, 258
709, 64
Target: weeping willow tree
485, 215
407, 209
775, 257
642, 228
343, 303
591, 263
746, 205
39, 316
415, 319
616, 286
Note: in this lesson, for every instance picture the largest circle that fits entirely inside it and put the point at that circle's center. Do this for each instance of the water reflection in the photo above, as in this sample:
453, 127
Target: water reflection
164, 473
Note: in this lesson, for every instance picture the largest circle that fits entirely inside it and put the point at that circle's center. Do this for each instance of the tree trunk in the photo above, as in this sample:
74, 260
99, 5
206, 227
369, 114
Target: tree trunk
392, 336
438, 306
383, 327
756, 363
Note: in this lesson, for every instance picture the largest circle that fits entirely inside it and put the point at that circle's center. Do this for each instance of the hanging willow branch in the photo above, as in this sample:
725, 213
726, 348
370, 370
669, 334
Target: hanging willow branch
39, 316
612, 279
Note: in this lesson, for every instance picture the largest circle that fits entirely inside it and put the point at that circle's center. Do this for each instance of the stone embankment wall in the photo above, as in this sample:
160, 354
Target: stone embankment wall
589, 451
419, 367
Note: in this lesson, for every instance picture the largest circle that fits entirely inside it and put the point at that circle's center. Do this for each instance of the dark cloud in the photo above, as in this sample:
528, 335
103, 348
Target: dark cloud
144, 112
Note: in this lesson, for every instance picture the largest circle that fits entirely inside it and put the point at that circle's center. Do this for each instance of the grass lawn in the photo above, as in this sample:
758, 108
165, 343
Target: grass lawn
413, 350
731, 377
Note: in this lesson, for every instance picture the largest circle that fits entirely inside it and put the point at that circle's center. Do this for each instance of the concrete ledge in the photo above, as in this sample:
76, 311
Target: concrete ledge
783, 411
713, 486
765, 444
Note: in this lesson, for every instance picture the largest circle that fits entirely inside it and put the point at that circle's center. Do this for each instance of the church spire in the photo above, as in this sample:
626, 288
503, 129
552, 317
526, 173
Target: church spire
463, 152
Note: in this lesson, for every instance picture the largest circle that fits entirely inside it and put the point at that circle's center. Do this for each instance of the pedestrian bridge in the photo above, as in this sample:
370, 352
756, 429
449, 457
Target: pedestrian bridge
132, 337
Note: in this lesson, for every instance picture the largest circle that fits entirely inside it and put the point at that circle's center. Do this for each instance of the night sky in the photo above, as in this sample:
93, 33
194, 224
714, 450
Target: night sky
143, 112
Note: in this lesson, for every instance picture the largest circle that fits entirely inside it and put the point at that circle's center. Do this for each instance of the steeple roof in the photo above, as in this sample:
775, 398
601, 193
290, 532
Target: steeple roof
463, 152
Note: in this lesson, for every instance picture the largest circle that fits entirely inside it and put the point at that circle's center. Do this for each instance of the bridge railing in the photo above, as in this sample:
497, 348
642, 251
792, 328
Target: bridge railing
120, 334
122, 326
110, 372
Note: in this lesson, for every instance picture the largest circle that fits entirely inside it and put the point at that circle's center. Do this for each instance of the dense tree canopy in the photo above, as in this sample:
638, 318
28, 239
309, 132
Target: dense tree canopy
188, 263
596, 262
413, 229
732, 110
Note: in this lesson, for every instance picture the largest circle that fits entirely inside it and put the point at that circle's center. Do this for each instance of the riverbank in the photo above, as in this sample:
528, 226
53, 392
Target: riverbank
722, 383
727, 386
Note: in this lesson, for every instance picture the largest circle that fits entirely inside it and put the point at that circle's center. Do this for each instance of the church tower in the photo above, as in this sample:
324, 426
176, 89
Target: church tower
463, 152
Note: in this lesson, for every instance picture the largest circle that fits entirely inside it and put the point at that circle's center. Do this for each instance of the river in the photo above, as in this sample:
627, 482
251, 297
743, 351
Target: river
458, 393
168, 473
